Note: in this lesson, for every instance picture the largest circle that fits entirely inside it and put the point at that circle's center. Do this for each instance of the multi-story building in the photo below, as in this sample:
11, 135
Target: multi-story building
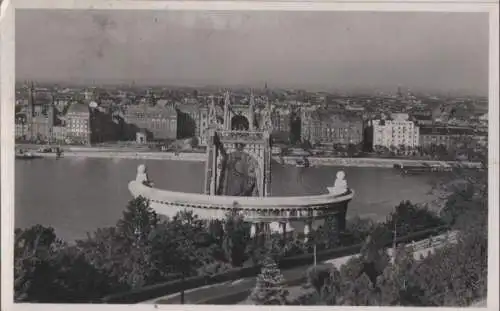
449, 137
21, 127
159, 121
104, 126
395, 132
189, 119
59, 134
36, 116
78, 124
281, 121
331, 127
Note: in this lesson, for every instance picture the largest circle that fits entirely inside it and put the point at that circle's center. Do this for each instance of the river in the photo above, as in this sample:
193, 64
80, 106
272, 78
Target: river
79, 195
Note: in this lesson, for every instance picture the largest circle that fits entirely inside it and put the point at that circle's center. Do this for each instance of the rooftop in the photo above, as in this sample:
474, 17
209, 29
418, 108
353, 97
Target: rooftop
76, 107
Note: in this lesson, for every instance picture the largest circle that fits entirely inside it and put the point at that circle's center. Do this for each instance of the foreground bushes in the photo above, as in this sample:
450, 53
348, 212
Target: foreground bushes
179, 253
455, 275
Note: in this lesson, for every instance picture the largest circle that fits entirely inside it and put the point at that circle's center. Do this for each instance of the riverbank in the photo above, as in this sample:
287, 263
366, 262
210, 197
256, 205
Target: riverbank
290, 160
143, 153
373, 162
196, 157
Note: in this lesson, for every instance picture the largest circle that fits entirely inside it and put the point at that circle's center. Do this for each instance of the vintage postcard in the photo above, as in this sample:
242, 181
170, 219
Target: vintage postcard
250, 154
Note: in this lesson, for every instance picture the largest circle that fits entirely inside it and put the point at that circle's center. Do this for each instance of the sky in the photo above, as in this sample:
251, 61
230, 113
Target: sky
330, 50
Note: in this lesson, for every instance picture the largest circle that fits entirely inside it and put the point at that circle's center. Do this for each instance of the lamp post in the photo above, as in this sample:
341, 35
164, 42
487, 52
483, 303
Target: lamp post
394, 237
183, 264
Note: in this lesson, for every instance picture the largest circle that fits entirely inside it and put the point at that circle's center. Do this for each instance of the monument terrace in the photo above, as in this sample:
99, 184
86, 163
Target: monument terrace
238, 177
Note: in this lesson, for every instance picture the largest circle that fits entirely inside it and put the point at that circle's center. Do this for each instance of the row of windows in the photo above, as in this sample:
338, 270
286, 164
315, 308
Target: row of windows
163, 124
142, 115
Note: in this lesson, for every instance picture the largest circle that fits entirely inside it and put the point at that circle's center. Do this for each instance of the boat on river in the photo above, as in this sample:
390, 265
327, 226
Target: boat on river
423, 168
304, 162
27, 156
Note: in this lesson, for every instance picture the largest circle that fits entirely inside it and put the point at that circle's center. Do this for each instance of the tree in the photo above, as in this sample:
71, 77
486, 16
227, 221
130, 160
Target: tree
32, 250
409, 218
270, 246
455, 275
269, 289
358, 292
47, 270
357, 230
74, 280
104, 250
398, 285
236, 238
181, 246
328, 234
138, 220
318, 276
374, 257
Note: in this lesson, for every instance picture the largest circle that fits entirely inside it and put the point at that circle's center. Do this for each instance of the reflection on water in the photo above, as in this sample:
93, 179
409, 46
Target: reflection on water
79, 195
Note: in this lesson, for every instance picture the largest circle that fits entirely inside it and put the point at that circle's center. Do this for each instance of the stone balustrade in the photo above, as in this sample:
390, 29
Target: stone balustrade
264, 210
264, 205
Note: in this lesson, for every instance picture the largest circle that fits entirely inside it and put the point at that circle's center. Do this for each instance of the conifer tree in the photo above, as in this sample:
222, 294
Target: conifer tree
269, 289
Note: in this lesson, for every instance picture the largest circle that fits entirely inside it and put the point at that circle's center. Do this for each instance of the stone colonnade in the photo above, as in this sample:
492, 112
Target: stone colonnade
333, 216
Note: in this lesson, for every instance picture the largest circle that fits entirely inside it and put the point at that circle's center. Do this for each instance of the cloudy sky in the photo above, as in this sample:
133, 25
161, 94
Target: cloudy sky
331, 50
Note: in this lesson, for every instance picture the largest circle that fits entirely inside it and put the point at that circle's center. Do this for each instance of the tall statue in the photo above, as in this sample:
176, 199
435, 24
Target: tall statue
240, 176
340, 182
340, 185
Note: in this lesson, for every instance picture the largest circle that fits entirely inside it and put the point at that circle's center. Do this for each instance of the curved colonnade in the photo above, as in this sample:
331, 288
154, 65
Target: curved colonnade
276, 213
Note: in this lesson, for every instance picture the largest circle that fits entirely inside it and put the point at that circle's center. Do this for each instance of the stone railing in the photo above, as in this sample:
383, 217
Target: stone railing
266, 209
435, 242
195, 200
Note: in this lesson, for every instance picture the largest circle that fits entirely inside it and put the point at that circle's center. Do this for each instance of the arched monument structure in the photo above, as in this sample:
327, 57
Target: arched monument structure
238, 177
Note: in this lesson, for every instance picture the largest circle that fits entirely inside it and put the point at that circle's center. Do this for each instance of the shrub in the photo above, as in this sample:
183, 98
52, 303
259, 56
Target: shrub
269, 289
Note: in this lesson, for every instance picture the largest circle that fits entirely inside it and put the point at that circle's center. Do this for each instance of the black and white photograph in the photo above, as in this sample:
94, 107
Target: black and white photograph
251, 157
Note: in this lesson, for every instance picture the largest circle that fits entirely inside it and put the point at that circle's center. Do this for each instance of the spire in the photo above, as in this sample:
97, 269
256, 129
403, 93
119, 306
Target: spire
227, 116
31, 98
267, 121
212, 113
251, 112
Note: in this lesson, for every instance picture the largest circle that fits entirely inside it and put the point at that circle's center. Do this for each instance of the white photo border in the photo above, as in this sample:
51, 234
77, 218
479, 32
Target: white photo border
7, 92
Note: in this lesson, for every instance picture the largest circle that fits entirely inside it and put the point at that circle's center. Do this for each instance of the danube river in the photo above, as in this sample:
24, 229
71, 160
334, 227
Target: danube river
79, 195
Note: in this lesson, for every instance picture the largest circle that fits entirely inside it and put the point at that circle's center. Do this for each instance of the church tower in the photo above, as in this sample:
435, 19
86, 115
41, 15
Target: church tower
251, 113
212, 114
31, 101
267, 124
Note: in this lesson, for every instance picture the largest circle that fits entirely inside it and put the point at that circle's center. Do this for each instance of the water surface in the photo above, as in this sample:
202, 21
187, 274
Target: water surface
77, 195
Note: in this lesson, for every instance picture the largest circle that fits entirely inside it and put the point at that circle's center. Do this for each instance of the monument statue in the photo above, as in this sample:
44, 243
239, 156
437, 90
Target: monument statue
340, 185
240, 175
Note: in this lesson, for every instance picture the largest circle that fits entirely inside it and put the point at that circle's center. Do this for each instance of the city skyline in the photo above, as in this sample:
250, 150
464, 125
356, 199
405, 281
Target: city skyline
445, 52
